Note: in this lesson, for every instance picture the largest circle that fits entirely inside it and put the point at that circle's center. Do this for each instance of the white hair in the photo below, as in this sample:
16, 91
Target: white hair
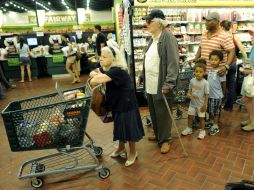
118, 59
160, 21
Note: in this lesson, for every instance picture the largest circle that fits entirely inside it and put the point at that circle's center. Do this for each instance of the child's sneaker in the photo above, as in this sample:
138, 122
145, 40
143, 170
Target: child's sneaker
208, 124
201, 134
187, 131
214, 131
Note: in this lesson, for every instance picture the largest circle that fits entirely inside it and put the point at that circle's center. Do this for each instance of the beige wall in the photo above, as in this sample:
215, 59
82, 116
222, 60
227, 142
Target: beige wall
19, 19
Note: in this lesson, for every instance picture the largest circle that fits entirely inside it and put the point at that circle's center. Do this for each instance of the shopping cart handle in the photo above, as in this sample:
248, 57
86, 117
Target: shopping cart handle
89, 86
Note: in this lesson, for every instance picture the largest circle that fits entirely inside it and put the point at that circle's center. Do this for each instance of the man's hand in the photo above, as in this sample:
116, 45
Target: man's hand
192, 60
222, 71
165, 91
189, 95
203, 108
245, 71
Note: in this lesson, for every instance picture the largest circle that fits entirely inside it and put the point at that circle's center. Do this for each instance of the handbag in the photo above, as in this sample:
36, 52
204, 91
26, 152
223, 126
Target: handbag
248, 85
98, 103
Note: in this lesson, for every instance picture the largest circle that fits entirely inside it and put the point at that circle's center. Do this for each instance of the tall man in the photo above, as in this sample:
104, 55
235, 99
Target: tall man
161, 67
216, 39
100, 39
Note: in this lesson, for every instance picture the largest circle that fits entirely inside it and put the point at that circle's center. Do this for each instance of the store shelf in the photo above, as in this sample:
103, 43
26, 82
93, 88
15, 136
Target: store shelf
244, 20
141, 36
244, 29
177, 22
141, 46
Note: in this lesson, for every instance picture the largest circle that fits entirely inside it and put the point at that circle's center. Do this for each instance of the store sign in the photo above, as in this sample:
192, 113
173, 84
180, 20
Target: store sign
54, 19
37, 29
199, 3
39, 34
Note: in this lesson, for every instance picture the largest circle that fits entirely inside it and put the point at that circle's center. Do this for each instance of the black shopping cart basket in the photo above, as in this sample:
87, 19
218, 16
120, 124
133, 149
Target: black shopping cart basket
53, 121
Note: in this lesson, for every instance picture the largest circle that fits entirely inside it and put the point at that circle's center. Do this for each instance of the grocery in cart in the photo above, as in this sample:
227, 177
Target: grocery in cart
53, 121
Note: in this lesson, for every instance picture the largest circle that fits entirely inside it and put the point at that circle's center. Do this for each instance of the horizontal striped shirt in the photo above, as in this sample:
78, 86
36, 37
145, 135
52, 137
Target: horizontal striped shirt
218, 41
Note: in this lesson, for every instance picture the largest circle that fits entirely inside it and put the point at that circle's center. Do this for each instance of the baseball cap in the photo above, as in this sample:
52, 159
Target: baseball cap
155, 13
251, 32
212, 15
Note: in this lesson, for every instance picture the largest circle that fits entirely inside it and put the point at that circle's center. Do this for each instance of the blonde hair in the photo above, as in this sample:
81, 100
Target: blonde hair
118, 59
109, 36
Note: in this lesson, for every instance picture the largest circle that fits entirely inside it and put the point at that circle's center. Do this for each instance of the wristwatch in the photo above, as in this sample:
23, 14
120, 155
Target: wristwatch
227, 66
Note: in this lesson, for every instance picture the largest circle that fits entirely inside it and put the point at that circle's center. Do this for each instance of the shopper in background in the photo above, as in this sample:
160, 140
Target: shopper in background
120, 90
70, 52
198, 93
4, 81
216, 39
111, 42
161, 67
249, 101
100, 39
91, 45
25, 61
231, 90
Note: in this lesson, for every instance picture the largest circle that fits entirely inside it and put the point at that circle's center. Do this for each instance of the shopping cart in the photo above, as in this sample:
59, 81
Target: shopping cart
185, 75
51, 122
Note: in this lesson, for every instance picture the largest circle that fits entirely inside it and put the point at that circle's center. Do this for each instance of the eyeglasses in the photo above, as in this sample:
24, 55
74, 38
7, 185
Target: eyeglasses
149, 22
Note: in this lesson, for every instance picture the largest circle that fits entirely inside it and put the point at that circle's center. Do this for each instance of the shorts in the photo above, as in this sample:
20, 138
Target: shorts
25, 61
195, 111
214, 106
71, 59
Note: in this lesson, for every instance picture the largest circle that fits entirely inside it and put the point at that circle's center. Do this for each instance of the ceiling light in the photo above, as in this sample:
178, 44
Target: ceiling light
49, 3
7, 4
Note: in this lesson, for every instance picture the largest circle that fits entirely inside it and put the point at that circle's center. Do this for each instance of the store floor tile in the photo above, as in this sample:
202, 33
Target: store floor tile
212, 162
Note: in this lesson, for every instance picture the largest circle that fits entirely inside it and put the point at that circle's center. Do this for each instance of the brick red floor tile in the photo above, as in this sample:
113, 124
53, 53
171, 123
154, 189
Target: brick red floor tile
212, 162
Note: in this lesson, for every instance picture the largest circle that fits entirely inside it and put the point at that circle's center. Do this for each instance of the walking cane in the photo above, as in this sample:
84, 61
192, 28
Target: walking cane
185, 154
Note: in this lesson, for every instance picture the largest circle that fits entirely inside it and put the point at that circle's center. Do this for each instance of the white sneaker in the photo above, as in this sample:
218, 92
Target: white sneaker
187, 131
201, 134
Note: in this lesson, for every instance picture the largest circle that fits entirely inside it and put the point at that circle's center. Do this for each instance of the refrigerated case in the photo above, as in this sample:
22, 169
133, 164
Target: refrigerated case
187, 25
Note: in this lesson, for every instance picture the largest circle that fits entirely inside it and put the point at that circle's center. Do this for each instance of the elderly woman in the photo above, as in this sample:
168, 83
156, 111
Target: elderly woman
248, 125
161, 67
121, 96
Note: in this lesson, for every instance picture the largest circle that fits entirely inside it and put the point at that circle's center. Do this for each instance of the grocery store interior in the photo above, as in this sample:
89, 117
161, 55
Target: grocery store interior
30, 155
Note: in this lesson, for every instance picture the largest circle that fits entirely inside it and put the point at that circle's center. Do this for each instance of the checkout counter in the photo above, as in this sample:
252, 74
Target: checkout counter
43, 63
11, 66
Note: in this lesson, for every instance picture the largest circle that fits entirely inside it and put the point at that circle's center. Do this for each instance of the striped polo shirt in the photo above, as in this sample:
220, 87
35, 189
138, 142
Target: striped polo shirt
218, 41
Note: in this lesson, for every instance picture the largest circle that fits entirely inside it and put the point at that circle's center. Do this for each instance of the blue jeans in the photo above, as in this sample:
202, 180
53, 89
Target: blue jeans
231, 92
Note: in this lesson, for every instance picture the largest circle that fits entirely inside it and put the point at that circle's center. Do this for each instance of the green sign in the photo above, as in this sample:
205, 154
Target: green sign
58, 58
12, 62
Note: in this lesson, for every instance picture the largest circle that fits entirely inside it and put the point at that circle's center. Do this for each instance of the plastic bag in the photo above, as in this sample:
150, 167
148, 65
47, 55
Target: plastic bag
248, 85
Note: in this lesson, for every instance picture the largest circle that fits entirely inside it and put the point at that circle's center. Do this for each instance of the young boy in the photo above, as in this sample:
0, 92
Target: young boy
198, 93
216, 91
